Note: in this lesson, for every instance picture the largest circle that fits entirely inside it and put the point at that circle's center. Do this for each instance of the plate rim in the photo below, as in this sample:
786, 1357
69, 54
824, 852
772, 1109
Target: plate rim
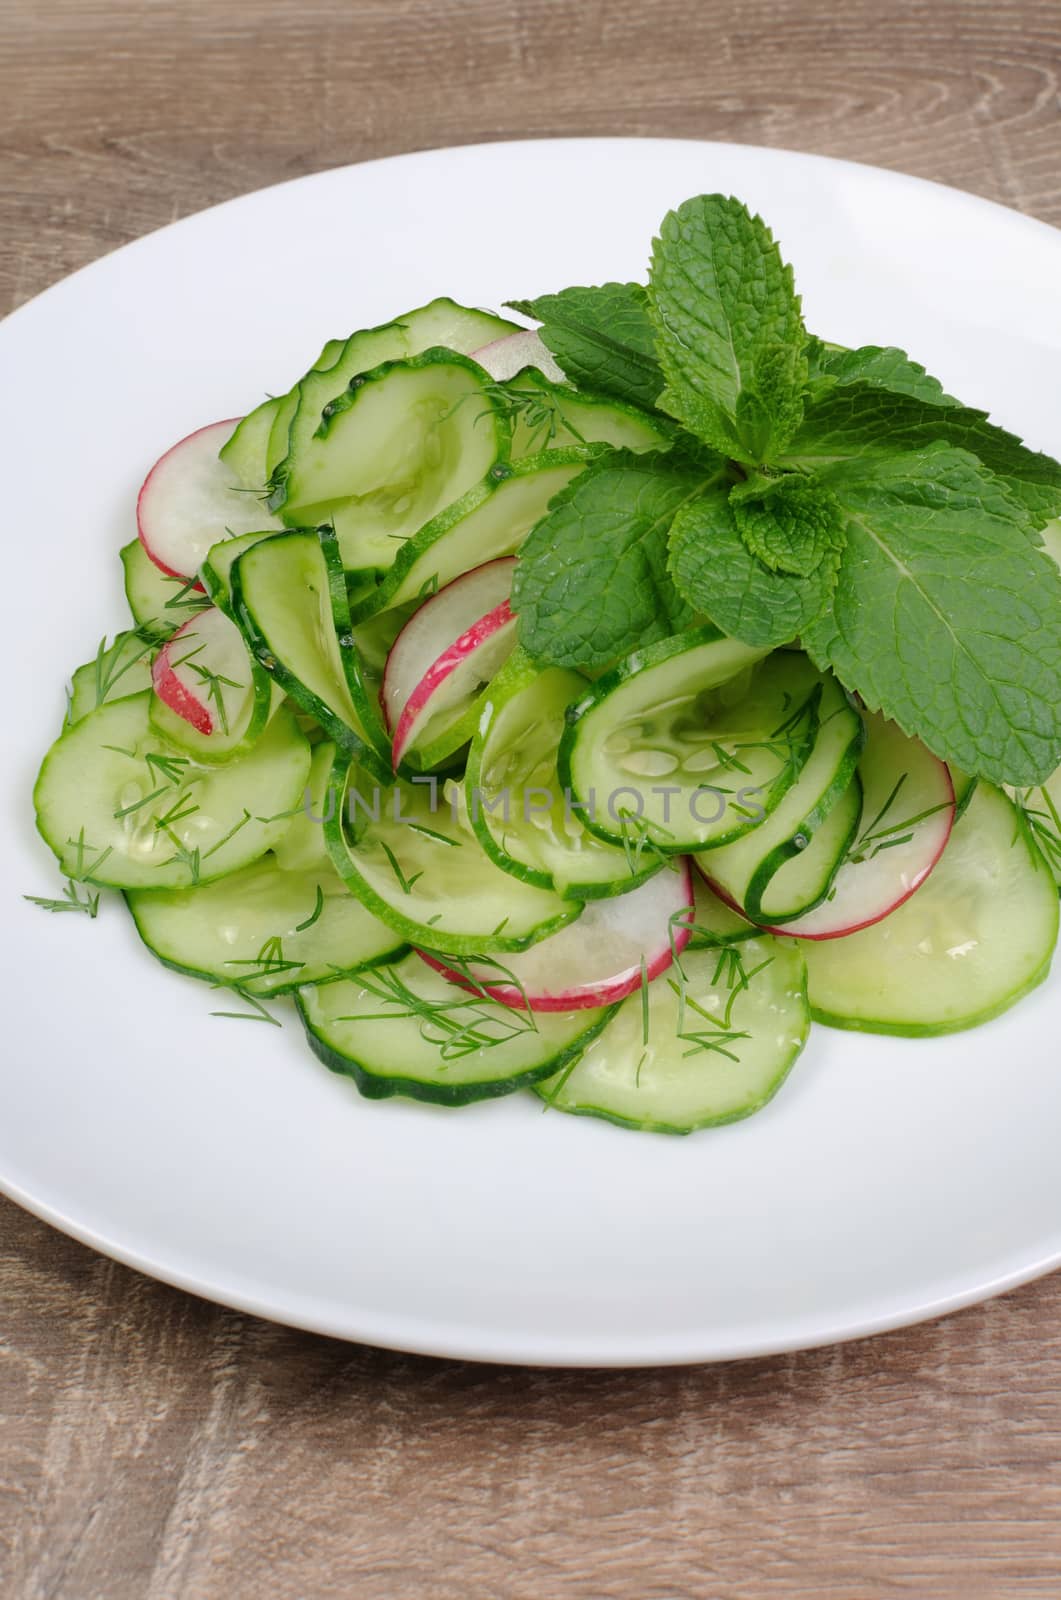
421, 1335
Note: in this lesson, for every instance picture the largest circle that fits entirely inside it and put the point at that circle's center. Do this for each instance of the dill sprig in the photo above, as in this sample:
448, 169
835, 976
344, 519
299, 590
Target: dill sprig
300, 927
1045, 825
71, 901
111, 662
636, 835
82, 871
879, 835
258, 1013
405, 884
456, 1028
270, 962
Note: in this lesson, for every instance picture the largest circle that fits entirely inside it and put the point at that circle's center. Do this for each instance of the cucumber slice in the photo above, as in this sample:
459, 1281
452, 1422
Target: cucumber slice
515, 803
973, 940
715, 923
440, 324
691, 742
159, 604
215, 574
786, 867
549, 416
419, 869
122, 809
246, 450
720, 1035
302, 847
403, 1029
491, 520
118, 669
267, 930
907, 816
289, 596
212, 699
404, 441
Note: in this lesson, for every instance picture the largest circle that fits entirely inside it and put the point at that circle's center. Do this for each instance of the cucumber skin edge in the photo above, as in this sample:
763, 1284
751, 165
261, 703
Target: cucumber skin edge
934, 1030
374, 1086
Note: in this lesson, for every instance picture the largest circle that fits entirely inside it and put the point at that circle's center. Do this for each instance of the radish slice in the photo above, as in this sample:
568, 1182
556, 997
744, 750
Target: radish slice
597, 960
190, 500
447, 651
907, 817
503, 358
203, 673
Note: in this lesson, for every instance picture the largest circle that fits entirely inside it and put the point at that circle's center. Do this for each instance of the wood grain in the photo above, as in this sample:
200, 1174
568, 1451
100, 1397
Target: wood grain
156, 1448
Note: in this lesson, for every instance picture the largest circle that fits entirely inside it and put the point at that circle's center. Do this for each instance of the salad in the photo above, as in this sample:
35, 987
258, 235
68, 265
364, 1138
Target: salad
589, 707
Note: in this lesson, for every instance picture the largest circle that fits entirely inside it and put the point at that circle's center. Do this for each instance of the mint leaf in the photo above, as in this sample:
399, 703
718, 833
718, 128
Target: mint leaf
790, 522
946, 615
592, 580
603, 339
729, 334
860, 420
717, 575
885, 367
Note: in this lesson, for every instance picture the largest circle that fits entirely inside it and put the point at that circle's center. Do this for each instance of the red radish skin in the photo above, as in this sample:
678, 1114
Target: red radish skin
459, 651
503, 358
190, 500
147, 488
438, 639
173, 693
792, 930
674, 938
215, 643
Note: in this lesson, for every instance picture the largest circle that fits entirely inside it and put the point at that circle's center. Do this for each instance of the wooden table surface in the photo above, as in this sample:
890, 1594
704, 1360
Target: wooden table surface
156, 1446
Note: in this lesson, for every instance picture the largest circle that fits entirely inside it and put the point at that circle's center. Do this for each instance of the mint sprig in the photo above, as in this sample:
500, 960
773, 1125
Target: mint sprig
839, 497
603, 339
593, 582
729, 331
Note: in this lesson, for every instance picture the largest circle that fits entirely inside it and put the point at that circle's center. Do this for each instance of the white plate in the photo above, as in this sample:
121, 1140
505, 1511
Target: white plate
890, 1181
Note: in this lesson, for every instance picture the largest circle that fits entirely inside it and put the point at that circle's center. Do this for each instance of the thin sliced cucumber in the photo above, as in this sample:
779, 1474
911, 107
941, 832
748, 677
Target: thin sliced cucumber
690, 743
440, 324
263, 929
973, 940
404, 1029
714, 922
215, 574
120, 668
302, 847
206, 673
551, 416
720, 1034
404, 441
422, 871
787, 866
804, 881
492, 519
308, 645
907, 813
159, 603
1042, 812
246, 450
121, 808
517, 809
